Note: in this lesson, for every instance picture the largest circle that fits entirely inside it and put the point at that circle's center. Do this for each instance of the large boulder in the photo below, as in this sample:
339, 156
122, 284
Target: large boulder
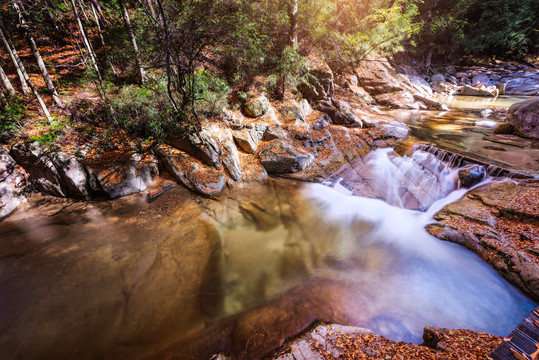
114, 173
200, 144
420, 84
229, 153
121, 172
319, 84
281, 157
341, 113
12, 183
54, 173
257, 106
247, 140
481, 79
191, 172
398, 100
522, 83
297, 111
524, 118
468, 90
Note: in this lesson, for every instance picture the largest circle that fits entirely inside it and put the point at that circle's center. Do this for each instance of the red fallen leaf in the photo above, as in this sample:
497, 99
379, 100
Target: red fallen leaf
507, 339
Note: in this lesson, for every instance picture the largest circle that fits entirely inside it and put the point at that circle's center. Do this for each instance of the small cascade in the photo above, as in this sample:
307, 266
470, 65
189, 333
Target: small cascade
457, 161
413, 182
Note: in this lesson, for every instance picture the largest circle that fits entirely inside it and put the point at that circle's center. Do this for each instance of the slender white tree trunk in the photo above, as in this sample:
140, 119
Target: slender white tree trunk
87, 44
100, 31
21, 72
37, 56
293, 15
7, 84
138, 61
26, 79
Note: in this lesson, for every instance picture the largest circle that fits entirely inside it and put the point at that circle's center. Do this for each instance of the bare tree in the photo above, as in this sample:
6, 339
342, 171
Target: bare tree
100, 21
37, 55
293, 16
21, 72
86, 41
127, 22
5, 81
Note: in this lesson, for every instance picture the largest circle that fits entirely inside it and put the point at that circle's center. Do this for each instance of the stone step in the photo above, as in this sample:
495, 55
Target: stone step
523, 343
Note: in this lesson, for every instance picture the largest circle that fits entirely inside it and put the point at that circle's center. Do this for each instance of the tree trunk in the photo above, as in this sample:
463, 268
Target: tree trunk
7, 84
127, 22
87, 44
37, 56
21, 72
168, 56
293, 15
152, 9
100, 31
3, 100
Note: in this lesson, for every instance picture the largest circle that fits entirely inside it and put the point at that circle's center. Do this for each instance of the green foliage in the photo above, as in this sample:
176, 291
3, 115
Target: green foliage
210, 93
501, 27
11, 116
142, 110
56, 129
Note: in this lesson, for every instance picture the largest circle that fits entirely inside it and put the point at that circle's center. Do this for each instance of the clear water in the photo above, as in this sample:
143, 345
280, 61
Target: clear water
466, 131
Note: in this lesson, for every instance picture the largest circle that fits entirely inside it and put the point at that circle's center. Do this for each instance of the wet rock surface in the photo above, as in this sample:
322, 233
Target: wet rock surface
499, 222
524, 118
13, 184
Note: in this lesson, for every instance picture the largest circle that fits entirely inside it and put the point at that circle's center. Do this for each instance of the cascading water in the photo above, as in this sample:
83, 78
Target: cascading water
392, 276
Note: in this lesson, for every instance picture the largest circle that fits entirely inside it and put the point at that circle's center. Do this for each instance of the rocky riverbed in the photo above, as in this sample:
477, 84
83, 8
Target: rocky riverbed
322, 135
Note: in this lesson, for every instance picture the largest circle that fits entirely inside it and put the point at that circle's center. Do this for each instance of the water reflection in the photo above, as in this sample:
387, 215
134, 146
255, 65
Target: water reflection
466, 131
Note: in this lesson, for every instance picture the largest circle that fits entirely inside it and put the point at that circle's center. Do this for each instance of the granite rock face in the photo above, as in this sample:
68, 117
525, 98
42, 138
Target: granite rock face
13, 181
524, 117
499, 222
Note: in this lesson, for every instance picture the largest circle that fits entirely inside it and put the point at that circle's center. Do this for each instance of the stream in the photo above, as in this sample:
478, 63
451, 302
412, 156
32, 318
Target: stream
191, 277
467, 131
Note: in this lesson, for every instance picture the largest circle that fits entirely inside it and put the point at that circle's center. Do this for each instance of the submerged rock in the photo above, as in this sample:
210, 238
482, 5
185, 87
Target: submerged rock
281, 157
472, 175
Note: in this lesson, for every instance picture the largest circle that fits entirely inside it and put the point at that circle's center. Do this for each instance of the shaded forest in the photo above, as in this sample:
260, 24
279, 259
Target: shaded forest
157, 64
